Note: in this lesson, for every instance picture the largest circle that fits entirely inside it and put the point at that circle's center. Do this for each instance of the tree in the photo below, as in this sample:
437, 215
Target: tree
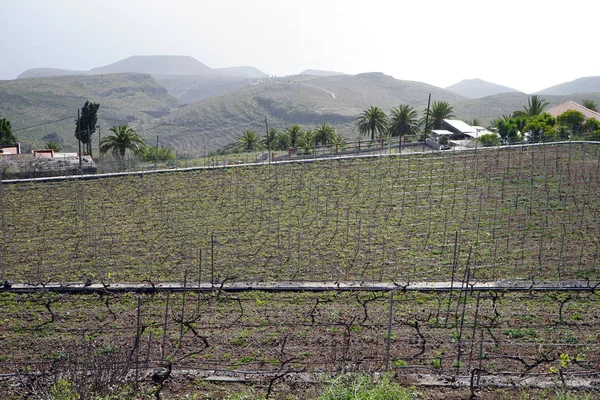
372, 121
85, 126
572, 120
590, 105
249, 140
510, 129
404, 120
6, 134
541, 128
536, 106
324, 134
306, 140
124, 138
52, 145
590, 125
294, 131
269, 138
440, 110
282, 141
489, 140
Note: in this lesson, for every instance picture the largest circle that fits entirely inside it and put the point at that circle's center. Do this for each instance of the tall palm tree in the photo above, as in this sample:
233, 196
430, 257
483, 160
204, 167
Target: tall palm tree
590, 105
324, 134
372, 121
249, 140
535, 107
404, 120
124, 138
294, 132
440, 110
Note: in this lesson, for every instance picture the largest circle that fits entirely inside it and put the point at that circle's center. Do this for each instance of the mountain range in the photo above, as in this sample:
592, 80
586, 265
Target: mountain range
194, 108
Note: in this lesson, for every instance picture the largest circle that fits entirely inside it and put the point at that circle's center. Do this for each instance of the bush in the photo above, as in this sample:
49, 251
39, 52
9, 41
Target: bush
489, 140
595, 136
351, 387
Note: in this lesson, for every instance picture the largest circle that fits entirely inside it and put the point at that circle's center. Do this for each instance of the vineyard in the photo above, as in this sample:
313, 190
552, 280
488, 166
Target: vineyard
459, 220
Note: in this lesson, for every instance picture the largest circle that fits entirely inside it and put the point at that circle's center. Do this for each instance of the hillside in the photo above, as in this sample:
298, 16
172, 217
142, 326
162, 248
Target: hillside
193, 88
37, 101
303, 100
477, 88
590, 84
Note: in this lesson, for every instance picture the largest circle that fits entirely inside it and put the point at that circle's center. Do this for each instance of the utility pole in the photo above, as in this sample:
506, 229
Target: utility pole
98, 126
269, 142
426, 119
4, 245
156, 153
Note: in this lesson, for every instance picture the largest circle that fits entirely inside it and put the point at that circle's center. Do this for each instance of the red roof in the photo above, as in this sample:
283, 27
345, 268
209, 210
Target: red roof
571, 105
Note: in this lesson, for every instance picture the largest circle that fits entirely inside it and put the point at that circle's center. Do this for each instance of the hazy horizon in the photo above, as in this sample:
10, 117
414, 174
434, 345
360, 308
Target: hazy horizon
518, 44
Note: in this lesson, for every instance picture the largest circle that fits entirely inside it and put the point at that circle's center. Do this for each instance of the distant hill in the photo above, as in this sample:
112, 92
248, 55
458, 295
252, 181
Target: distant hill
320, 72
123, 98
42, 72
477, 88
176, 65
590, 84
242, 72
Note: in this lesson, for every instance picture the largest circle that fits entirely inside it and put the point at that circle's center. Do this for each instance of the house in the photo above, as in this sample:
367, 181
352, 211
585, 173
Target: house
571, 105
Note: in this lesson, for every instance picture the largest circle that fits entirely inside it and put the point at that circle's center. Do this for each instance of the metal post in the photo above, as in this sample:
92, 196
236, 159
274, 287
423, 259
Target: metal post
389, 332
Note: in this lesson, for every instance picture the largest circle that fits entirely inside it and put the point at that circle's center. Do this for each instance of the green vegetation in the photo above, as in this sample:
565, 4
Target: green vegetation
373, 122
6, 134
124, 139
489, 140
85, 126
440, 110
535, 106
403, 121
349, 387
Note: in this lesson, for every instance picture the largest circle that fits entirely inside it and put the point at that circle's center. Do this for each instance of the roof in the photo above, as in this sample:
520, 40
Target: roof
442, 132
571, 105
459, 126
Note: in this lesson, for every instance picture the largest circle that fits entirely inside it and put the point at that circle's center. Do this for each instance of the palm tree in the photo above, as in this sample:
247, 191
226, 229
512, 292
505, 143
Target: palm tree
440, 110
306, 140
590, 105
294, 132
372, 121
249, 140
535, 107
269, 138
403, 121
124, 138
324, 134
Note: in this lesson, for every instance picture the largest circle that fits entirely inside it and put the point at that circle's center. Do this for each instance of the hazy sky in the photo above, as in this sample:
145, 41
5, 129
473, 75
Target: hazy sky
526, 44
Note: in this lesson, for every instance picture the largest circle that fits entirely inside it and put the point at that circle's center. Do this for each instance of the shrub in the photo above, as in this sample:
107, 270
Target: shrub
351, 387
489, 140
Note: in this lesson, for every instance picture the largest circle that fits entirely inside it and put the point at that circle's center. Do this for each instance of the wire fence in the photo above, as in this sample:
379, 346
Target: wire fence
516, 213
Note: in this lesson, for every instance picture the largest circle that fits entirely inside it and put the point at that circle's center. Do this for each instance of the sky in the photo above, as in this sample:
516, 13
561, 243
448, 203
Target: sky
528, 45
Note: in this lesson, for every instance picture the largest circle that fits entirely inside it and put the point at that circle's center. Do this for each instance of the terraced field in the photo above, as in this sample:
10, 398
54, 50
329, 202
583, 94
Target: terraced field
522, 213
